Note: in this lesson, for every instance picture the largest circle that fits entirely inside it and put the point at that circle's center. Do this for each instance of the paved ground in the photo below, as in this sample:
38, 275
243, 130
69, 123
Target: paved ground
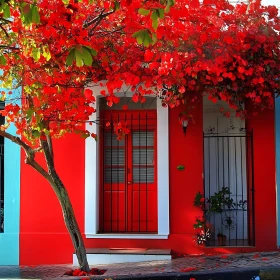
187, 267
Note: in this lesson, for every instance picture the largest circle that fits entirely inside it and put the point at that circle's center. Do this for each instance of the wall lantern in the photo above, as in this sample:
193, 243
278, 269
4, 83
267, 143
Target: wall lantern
184, 121
185, 124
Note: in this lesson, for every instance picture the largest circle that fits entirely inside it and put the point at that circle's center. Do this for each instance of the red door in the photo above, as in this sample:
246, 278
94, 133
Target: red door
128, 180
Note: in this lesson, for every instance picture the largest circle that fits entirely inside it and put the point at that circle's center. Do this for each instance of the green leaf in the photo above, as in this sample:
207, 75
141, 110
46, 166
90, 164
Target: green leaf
154, 18
143, 37
36, 133
143, 12
91, 50
3, 60
147, 40
2, 4
160, 13
87, 57
29, 114
85, 135
117, 5
36, 54
167, 9
170, 3
70, 57
66, 2
139, 36
6, 11
35, 14
154, 38
79, 58
46, 53
38, 120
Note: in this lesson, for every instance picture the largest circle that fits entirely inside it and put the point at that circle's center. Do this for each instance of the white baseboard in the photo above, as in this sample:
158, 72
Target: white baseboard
94, 259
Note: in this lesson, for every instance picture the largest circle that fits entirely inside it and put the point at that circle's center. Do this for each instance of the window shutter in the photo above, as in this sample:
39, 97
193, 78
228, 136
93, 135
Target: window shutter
143, 156
114, 157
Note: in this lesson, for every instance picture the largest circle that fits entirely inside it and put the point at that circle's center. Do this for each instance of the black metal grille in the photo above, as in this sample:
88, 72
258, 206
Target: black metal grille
229, 189
128, 180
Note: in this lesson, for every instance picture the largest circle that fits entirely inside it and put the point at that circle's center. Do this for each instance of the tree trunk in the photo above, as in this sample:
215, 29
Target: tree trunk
66, 206
71, 222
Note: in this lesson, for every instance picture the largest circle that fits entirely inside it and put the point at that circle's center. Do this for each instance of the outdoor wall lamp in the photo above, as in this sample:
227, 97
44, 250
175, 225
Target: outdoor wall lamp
185, 124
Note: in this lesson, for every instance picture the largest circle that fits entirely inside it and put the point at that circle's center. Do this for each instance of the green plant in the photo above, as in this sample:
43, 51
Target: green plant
198, 200
200, 223
219, 202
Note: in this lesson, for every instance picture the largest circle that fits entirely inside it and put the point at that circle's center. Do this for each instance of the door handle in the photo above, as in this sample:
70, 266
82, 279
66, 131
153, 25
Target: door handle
129, 182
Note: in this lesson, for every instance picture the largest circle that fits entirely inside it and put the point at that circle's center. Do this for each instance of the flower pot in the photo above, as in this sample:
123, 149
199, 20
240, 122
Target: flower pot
222, 240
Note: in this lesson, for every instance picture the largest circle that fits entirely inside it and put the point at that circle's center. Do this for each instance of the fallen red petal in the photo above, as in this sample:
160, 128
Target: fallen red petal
78, 272
187, 269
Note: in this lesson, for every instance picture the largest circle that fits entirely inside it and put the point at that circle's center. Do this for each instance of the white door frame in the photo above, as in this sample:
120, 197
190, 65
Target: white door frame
92, 178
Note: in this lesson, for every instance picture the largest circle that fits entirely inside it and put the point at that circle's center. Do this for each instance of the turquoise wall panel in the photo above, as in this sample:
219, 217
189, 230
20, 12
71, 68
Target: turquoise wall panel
9, 240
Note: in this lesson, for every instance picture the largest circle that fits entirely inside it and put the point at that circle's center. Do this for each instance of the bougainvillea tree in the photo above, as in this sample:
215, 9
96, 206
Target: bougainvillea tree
51, 50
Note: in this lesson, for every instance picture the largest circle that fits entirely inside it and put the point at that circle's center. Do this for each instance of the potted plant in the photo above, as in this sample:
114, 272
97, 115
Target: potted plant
221, 239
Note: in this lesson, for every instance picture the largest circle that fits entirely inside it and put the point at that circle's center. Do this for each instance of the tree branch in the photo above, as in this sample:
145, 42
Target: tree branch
17, 141
48, 153
8, 47
29, 152
49, 141
96, 21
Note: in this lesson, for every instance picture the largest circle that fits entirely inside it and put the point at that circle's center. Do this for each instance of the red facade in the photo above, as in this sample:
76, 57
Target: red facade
43, 236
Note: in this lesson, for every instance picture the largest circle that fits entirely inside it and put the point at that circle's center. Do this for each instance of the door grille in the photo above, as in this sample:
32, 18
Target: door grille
229, 172
128, 180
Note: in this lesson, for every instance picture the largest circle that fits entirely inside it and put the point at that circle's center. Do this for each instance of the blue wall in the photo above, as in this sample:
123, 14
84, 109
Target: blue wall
9, 240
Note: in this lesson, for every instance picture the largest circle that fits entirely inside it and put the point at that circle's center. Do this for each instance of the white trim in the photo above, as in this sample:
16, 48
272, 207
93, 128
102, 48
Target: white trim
91, 176
94, 259
163, 169
127, 236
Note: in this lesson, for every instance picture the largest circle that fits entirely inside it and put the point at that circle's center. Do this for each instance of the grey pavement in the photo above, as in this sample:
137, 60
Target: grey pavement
185, 267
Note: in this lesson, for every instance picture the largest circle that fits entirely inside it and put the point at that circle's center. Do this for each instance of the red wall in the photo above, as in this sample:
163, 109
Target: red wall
43, 237
263, 126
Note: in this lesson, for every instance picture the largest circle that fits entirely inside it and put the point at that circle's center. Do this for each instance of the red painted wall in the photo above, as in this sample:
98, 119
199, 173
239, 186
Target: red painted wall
263, 126
43, 237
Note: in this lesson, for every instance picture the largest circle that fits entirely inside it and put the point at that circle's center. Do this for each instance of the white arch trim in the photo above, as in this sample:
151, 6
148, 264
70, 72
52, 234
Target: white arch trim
92, 172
